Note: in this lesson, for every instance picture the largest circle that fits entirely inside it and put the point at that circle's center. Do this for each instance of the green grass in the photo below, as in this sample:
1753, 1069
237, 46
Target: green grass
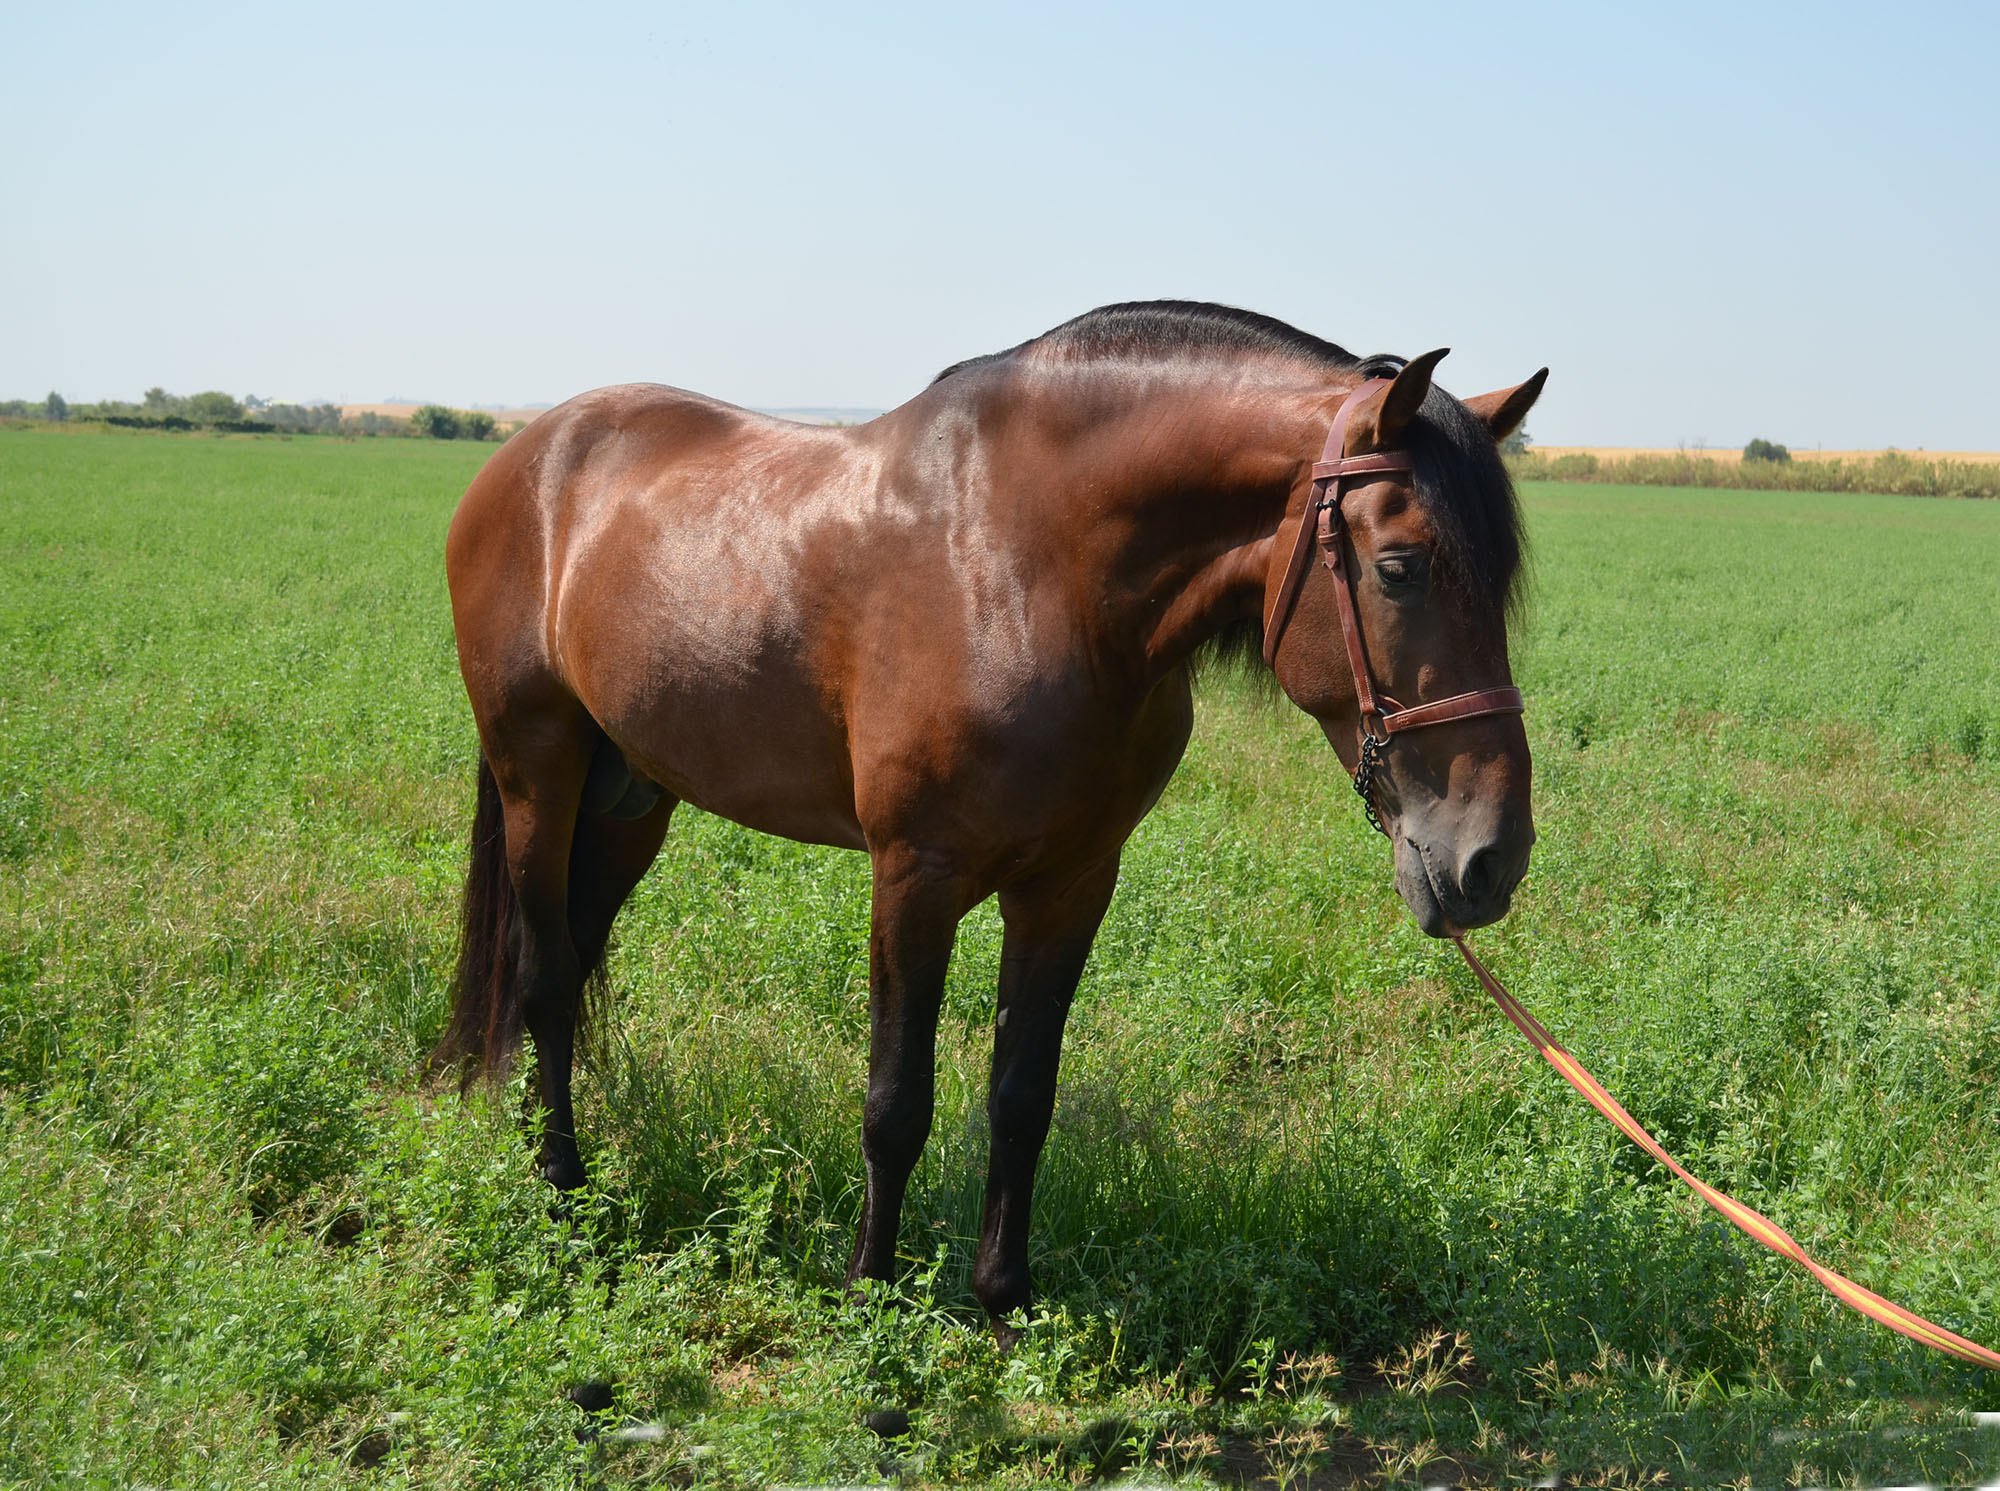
244, 1243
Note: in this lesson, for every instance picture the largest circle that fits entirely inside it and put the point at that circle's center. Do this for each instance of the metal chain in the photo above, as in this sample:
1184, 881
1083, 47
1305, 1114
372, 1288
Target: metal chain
1364, 777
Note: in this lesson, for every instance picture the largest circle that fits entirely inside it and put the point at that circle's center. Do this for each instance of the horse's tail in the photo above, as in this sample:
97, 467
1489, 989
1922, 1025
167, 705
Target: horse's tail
484, 1033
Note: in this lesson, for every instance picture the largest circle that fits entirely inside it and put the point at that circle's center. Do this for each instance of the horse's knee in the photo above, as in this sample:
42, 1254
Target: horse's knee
1019, 1107
894, 1129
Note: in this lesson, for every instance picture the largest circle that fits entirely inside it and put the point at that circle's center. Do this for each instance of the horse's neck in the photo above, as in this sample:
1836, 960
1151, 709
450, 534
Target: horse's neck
1191, 481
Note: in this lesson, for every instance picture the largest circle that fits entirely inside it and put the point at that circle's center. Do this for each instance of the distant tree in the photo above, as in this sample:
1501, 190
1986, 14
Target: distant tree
207, 408
477, 424
313, 418
1517, 443
437, 422
159, 401
55, 406
1765, 450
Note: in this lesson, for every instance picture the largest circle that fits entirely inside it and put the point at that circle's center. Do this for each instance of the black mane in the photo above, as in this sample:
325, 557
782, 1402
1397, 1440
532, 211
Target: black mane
1458, 474
1165, 327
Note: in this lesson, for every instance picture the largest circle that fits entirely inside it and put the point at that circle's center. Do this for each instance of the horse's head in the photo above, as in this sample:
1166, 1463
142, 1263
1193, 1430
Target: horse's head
1431, 554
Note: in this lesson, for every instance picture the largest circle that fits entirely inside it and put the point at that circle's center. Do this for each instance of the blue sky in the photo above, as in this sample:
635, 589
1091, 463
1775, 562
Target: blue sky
1712, 221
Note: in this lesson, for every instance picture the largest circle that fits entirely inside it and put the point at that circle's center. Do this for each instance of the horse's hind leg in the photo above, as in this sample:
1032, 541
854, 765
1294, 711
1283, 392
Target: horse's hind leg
1049, 929
571, 871
540, 753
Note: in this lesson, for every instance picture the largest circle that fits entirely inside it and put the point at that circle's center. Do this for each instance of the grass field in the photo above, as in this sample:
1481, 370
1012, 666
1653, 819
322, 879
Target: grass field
244, 1243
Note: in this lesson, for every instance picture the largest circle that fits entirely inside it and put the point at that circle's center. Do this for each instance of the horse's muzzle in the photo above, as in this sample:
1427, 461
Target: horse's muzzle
1472, 887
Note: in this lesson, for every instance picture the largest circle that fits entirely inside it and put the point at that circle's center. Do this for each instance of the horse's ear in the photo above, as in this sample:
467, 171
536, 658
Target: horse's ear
1505, 408
1404, 397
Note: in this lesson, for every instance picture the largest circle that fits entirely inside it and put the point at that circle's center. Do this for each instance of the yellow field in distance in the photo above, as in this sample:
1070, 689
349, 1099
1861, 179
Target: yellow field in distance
1626, 452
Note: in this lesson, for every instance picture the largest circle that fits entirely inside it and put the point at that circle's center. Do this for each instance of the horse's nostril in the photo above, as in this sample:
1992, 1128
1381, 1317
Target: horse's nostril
1481, 877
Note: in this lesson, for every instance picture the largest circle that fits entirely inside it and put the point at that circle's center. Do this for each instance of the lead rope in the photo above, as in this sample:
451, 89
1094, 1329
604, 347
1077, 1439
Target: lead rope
1762, 1228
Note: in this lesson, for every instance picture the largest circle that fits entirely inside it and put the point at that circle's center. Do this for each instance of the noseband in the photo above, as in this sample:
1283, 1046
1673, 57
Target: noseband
1382, 718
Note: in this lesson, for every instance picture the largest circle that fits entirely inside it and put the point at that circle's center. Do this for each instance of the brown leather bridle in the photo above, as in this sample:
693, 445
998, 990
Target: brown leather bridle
1382, 718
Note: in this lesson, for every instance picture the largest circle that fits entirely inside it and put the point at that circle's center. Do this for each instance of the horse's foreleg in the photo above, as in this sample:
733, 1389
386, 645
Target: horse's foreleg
917, 904
1049, 929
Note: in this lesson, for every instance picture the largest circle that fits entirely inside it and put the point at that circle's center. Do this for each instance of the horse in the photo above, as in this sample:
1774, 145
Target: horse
960, 638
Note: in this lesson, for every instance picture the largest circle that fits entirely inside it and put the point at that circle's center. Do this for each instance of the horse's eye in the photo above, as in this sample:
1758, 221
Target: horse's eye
1400, 572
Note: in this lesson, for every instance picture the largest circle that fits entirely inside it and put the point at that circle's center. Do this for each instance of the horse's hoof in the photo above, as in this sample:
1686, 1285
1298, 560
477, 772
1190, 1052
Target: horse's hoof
890, 1423
1006, 1336
593, 1395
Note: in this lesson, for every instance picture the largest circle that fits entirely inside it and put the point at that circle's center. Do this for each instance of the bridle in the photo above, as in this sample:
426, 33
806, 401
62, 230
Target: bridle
1382, 718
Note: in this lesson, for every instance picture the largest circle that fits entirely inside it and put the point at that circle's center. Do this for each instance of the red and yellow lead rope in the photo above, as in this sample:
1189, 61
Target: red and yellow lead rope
1767, 1232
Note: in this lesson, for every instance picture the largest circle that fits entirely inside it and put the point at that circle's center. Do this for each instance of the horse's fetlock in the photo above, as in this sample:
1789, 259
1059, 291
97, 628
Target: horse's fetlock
1001, 1288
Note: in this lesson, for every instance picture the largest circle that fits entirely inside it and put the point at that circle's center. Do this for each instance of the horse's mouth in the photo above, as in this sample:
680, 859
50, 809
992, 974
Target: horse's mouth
1418, 886
1449, 911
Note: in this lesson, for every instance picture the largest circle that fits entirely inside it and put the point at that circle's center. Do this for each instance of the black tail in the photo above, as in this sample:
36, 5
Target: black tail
484, 1035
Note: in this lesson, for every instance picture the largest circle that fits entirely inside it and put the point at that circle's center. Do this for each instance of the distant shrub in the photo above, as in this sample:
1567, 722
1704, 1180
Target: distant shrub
1578, 465
437, 422
319, 419
1765, 450
443, 423
210, 408
215, 410
141, 422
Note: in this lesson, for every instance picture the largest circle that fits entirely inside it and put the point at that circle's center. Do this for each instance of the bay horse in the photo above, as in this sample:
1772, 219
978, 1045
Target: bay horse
959, 637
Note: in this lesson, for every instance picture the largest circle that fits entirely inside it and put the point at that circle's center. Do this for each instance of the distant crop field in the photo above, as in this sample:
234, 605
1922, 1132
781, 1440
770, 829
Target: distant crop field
1310, 1213
1730, 455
